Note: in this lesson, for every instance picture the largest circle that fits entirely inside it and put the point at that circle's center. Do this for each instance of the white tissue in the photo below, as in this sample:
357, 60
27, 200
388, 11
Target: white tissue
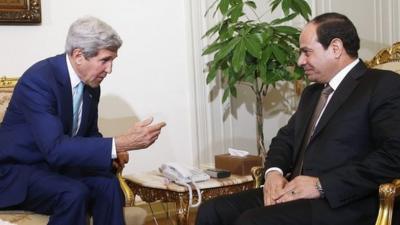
236, 152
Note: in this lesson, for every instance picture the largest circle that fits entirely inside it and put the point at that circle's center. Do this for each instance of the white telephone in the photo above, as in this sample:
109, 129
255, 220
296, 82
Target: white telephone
183, 176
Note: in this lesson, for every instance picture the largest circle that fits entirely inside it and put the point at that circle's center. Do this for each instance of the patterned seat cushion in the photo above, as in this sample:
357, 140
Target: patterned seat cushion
133, 216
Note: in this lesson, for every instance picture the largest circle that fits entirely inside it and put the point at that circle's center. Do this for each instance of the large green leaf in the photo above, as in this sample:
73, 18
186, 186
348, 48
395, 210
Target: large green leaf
274, 4
285, 7
279, 54
286, 30
268, 34
223, 31
284, 19
266, 55
251, 4
238, 56
225, 50
249, 72
212, 30
213, 47
211, 74
253, 46
233, 91
259, 36
226, 94
236, 12
303, 8
235, 2
223, 6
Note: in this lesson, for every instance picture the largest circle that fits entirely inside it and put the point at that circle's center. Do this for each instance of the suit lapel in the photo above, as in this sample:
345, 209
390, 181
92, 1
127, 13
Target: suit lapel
64, 89
340, 95
311, 100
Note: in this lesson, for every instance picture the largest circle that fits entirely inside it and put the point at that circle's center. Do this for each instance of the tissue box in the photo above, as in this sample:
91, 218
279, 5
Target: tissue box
236, 164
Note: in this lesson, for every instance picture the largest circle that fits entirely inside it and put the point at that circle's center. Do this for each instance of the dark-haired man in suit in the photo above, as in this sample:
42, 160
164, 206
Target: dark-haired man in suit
53, 159
326, 164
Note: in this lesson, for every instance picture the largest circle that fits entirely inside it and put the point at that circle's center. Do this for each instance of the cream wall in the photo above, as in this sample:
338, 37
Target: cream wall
160, 71
150, 77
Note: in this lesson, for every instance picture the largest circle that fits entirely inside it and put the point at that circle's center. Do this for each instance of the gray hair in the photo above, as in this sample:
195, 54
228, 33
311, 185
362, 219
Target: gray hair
91, 35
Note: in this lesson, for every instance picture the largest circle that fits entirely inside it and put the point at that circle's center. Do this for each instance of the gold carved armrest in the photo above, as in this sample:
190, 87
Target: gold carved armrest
129, 197
258, 175
387, 194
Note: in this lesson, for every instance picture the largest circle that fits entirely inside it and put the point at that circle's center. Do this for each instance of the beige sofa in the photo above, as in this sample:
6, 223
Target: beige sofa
133, 215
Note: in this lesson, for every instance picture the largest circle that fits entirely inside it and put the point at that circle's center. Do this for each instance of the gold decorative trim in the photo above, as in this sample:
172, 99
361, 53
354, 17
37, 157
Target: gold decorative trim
6, 86
387, 194
391, 54
258, 174
389, 191
128, 193
7, 83
149, 194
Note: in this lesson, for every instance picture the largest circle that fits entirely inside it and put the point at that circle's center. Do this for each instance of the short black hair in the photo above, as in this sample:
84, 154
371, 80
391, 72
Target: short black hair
334, 25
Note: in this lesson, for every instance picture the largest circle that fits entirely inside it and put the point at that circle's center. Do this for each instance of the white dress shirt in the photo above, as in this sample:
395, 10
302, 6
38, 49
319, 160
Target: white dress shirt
74, 81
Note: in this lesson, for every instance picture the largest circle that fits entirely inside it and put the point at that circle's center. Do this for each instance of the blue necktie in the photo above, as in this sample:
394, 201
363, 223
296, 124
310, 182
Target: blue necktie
77, 99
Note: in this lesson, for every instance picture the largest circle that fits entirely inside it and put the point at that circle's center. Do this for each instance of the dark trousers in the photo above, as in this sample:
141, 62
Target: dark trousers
70, 200
247, 208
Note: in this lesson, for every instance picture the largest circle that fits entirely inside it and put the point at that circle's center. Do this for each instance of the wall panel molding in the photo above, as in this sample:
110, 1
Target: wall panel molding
212, 133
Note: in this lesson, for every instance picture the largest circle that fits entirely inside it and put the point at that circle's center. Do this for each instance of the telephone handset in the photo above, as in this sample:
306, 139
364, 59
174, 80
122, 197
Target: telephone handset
179, 173
183, 176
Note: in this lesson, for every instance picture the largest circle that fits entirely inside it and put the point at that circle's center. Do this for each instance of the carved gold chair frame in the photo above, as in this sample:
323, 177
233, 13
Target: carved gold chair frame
389, 191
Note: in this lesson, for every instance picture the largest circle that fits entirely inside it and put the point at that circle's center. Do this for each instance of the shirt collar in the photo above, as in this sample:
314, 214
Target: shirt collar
74, 78
337, 79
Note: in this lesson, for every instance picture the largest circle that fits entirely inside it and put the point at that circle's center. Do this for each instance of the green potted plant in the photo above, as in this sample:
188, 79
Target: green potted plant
253, 52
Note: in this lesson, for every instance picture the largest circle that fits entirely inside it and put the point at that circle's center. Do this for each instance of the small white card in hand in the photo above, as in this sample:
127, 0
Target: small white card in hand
237, 152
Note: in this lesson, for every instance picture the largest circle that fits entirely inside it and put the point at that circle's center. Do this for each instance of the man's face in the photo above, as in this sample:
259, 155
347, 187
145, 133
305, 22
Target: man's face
93, 70
318, 63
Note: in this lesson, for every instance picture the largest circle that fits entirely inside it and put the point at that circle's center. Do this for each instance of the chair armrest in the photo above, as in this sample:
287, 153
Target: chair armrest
129, 196
257, 172
387, 194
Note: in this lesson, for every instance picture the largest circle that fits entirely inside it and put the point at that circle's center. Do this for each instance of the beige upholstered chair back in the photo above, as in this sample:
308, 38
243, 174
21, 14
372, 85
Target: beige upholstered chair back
6, 88
387, 59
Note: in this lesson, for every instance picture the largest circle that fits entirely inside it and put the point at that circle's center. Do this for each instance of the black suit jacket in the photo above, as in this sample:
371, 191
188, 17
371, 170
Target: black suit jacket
355, 147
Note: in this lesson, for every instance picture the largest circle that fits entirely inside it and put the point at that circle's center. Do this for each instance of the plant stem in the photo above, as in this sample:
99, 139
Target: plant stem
259, 118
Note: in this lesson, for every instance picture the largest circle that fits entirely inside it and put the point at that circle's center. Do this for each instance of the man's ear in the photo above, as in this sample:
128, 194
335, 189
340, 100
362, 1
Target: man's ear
77, 56
337, 47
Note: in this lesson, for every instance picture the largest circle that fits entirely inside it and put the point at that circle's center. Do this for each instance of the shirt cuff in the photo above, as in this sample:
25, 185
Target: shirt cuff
273, 169
113, 150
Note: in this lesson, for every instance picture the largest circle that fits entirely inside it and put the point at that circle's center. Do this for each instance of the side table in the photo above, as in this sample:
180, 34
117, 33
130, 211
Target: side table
152, 186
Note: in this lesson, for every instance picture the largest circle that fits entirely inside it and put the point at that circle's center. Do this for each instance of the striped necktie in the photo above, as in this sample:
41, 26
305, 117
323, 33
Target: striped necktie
323, 99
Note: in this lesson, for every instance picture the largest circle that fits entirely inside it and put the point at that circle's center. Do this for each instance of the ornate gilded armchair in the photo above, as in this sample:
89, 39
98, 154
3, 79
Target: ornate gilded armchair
388, 59
133, 215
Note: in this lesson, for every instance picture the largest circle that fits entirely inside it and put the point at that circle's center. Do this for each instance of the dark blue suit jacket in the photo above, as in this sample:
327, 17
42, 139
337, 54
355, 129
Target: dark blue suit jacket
36, 130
